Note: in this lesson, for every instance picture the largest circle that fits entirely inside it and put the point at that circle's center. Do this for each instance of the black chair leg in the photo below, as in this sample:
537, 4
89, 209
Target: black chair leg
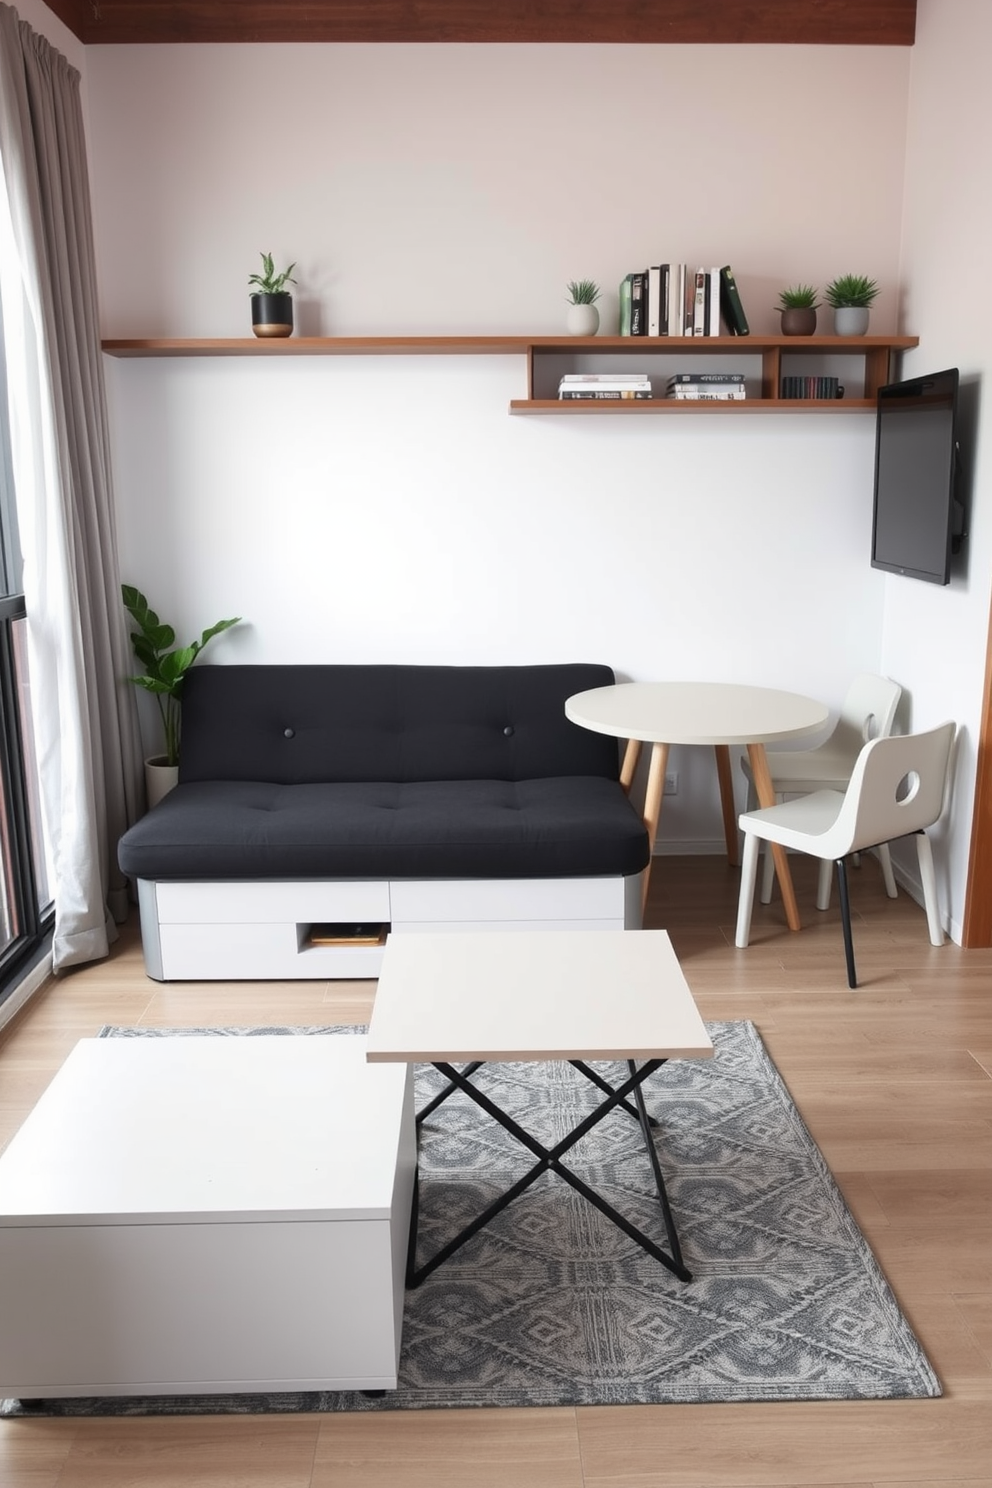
845, 919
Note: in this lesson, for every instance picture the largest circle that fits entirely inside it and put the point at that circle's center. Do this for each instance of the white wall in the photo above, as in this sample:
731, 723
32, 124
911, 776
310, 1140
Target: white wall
443, 188
372, 508
934, 639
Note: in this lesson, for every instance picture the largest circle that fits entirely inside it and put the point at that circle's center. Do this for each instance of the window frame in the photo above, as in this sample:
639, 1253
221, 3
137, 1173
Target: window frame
30, 923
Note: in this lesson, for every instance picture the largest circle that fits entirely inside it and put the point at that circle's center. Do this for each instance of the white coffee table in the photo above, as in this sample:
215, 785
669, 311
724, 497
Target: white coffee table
611, 995
195, 1214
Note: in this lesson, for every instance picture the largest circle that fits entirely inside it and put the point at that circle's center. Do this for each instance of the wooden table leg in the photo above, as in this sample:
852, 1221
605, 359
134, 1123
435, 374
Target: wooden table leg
765, 792
726, 778
631, 755
653, 793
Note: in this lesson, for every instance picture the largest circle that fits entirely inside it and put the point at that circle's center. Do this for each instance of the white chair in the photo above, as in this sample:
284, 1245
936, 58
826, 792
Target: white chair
896, 788
867, 712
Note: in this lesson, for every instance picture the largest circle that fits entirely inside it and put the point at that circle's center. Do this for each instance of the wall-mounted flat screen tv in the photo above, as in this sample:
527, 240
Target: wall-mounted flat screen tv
918, 520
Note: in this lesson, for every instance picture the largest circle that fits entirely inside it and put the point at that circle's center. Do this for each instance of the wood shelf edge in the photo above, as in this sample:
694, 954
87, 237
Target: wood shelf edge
492, 345
744, 345
320, 346
678, 405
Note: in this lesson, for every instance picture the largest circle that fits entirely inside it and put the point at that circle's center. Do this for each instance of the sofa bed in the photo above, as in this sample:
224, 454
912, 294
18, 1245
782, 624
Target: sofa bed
320, 807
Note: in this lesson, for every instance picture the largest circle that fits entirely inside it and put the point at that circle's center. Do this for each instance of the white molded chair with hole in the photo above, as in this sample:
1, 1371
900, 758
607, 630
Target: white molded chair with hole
867, 712
896, 788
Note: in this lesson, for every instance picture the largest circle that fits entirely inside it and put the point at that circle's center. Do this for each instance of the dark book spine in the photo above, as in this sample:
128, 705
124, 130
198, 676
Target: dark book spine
689, 297
638, 307
730, 304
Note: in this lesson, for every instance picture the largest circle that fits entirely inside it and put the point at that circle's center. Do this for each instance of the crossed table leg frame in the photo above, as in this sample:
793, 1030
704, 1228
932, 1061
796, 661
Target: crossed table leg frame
551, 1158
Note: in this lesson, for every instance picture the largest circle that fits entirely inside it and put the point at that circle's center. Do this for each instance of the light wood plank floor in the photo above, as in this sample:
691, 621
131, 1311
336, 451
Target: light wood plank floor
895, 1081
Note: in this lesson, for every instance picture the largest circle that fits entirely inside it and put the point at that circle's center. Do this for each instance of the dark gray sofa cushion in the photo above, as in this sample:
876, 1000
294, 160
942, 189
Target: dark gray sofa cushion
389, 772
300, 724
551, 828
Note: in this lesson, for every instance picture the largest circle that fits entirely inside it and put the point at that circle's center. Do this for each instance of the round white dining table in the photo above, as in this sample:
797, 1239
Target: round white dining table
709, 713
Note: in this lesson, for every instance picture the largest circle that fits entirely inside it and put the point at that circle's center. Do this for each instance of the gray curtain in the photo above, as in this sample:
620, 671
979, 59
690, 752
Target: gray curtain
85, 715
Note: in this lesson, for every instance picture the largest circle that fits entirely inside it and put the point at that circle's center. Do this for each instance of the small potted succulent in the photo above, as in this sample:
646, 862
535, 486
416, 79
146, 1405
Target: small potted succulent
798, 306
271, 301
851, 296
165, 664
583, 316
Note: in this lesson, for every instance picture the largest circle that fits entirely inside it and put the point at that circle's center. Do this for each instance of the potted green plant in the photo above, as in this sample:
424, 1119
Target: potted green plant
851, 296
798, 305
583, 316
271, 301
165, 666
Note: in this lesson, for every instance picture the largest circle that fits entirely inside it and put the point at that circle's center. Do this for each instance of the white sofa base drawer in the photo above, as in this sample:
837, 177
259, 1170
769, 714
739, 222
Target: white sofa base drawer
243, 953
431, 927
260, 930
314, 900
505, 898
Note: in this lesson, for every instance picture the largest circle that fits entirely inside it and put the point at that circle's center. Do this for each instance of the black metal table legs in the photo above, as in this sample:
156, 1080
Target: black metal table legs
551, 1158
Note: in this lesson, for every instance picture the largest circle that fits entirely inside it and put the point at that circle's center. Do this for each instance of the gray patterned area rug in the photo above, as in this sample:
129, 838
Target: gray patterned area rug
553, 1305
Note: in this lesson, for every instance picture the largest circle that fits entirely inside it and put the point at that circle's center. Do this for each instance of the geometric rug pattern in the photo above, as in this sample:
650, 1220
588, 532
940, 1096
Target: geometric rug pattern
551, 1304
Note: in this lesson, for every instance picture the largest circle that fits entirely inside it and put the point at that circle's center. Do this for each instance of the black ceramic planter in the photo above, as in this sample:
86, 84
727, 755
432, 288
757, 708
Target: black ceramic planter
272, 314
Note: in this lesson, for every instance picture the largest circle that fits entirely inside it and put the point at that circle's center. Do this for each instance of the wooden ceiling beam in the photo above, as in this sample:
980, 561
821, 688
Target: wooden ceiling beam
788, 22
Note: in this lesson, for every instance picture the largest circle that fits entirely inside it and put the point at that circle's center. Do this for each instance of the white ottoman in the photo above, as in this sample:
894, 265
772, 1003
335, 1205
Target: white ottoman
208, 1214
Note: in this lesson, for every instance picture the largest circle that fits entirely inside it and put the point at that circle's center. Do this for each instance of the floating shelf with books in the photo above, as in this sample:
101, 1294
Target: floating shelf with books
763, 359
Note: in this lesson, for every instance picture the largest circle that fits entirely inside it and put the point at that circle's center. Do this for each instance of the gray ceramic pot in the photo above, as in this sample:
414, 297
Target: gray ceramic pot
851, 320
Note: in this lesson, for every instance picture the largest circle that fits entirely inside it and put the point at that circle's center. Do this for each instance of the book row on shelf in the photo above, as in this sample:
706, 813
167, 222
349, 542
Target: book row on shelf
812, 387
695, 386
679, 300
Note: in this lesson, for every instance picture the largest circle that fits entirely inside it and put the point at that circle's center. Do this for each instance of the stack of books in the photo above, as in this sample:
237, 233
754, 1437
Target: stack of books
680, 300
707, 387
610, 385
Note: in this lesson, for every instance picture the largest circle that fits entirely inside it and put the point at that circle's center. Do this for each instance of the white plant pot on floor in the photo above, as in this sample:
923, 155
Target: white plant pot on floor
159, 779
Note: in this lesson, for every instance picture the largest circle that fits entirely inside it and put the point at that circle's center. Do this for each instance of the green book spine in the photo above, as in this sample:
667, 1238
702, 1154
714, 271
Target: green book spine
625, 288
730, 304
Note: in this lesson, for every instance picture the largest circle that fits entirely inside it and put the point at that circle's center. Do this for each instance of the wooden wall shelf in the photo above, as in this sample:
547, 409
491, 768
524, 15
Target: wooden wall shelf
668, 22
731, 409
544, 354
325, 346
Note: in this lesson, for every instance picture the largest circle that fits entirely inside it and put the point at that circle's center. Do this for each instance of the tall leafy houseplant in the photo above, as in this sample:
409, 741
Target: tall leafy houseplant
165, 663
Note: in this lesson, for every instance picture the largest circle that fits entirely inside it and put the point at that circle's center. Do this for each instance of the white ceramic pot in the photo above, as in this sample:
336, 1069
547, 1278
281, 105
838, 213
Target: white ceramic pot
583, 320
851, 320
159, 779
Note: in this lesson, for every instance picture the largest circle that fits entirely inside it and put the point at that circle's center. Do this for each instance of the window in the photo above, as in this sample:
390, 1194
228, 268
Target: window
26, 909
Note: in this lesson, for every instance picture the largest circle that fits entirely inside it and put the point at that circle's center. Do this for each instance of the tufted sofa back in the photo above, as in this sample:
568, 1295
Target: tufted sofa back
313, 723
